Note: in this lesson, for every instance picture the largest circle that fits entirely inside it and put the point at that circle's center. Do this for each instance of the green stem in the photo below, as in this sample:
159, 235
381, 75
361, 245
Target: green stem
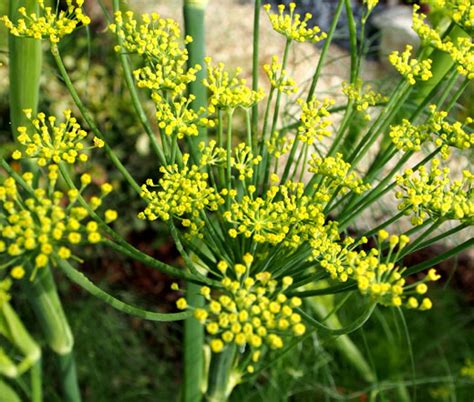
194, 15
81, 280
25, 57
193, 349
9, 395
325, 49
255, 57
44, 299
441, 236
343, 342
409, 249
36, 382
221, 376
90, 121
67, 368
440, 258
135, 98
354, 326
352, 40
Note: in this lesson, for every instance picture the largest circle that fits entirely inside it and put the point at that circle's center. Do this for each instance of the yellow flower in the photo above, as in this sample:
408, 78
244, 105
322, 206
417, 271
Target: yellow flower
292, 26
279, 78
217, 345
362, 96
314, 122
338, 172
110, 215
250, 311
158, 41
182, 192
182, 304
228, 91
17, 272
39, 226
49, 23
51, 143
431, 193
411, 69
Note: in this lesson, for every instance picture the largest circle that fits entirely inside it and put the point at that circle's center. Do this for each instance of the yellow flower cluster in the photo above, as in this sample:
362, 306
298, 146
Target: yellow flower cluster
177, 118
228, 92
211, 154
337, 173
251, 312
182, 193
158, 41
449, 134
45, 224
244, 160
461, 51
460, 11
314, 122
376, 275
162, 78
410, 68
285, 215
279, 145
49, 24
279, 78
51, 143
409, 137
362, 96
433, 194
292, 26
371, 4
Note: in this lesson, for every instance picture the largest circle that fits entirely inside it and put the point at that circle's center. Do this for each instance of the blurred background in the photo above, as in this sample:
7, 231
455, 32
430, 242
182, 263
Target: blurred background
128, 359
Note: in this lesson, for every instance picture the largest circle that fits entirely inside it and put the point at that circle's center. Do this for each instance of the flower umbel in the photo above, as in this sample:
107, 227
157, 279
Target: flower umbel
49, 24
52, 143
411, 68
292, 26
251, 312
43, 225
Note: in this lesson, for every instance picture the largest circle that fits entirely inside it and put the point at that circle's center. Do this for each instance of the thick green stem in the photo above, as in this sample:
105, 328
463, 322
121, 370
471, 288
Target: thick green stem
68, 375
194, 16
36, 382
222, 379
9, 395
193, 349
24, 67
44, 298
255, 57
